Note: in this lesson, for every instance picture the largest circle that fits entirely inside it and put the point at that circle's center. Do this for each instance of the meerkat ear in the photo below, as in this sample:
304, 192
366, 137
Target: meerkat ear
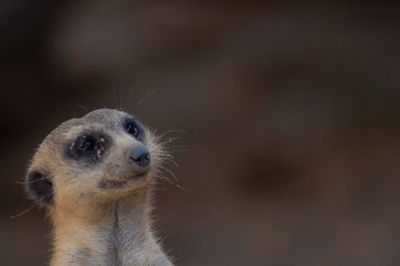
40, 186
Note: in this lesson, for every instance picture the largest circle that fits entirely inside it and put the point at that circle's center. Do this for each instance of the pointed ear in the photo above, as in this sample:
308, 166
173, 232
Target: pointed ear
40, 186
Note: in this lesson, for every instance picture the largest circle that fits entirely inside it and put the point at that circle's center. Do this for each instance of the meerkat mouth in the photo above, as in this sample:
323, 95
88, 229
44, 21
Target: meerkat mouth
115, 184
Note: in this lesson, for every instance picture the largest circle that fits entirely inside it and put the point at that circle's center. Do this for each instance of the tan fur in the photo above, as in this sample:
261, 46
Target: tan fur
94, 226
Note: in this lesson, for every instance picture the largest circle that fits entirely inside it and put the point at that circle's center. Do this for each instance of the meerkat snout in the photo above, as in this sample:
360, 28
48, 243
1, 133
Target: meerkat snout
140, 156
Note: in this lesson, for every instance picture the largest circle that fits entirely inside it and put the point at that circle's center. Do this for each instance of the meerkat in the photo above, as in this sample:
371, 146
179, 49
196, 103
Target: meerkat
95, 176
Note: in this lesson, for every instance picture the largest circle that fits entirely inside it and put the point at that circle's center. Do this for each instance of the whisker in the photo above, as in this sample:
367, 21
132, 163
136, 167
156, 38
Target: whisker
174, 184
171, 131
170, 161
182, 150
169, 171
25, 211
128, 99
144, 97
183, 188
172, 139
30, 182
114, 97
121, 95
168, 141
165, 155
85, 110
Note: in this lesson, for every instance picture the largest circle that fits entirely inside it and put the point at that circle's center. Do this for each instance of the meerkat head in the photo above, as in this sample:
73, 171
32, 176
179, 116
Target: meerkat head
106, 154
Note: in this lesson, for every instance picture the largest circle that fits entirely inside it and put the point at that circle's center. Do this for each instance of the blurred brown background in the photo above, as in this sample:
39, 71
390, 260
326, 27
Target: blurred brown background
291, 111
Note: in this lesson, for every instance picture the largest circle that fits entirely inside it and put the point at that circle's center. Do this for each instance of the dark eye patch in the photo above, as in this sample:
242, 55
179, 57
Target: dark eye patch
86, 143
88, 147
134, 128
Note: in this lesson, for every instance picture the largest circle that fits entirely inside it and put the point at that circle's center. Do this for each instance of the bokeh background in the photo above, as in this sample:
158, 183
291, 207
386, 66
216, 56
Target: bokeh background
291, 154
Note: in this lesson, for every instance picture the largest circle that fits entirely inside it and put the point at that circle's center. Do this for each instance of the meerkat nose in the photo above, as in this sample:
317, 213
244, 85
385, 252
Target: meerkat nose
140, 156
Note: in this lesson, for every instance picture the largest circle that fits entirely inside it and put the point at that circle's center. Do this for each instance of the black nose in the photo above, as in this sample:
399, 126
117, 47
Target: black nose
140, 156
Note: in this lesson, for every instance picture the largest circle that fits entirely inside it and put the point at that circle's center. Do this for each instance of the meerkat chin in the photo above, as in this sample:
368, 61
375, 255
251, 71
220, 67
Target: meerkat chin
94, 175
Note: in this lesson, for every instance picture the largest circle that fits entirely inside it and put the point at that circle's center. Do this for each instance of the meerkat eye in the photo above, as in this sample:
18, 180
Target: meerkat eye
134, 129
89, 147
86, 143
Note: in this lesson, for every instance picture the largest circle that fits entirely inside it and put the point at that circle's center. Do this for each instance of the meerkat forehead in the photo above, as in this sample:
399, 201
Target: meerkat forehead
107, 119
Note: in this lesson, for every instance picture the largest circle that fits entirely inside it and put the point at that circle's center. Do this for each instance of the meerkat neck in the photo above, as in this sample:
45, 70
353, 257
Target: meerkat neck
116, 233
